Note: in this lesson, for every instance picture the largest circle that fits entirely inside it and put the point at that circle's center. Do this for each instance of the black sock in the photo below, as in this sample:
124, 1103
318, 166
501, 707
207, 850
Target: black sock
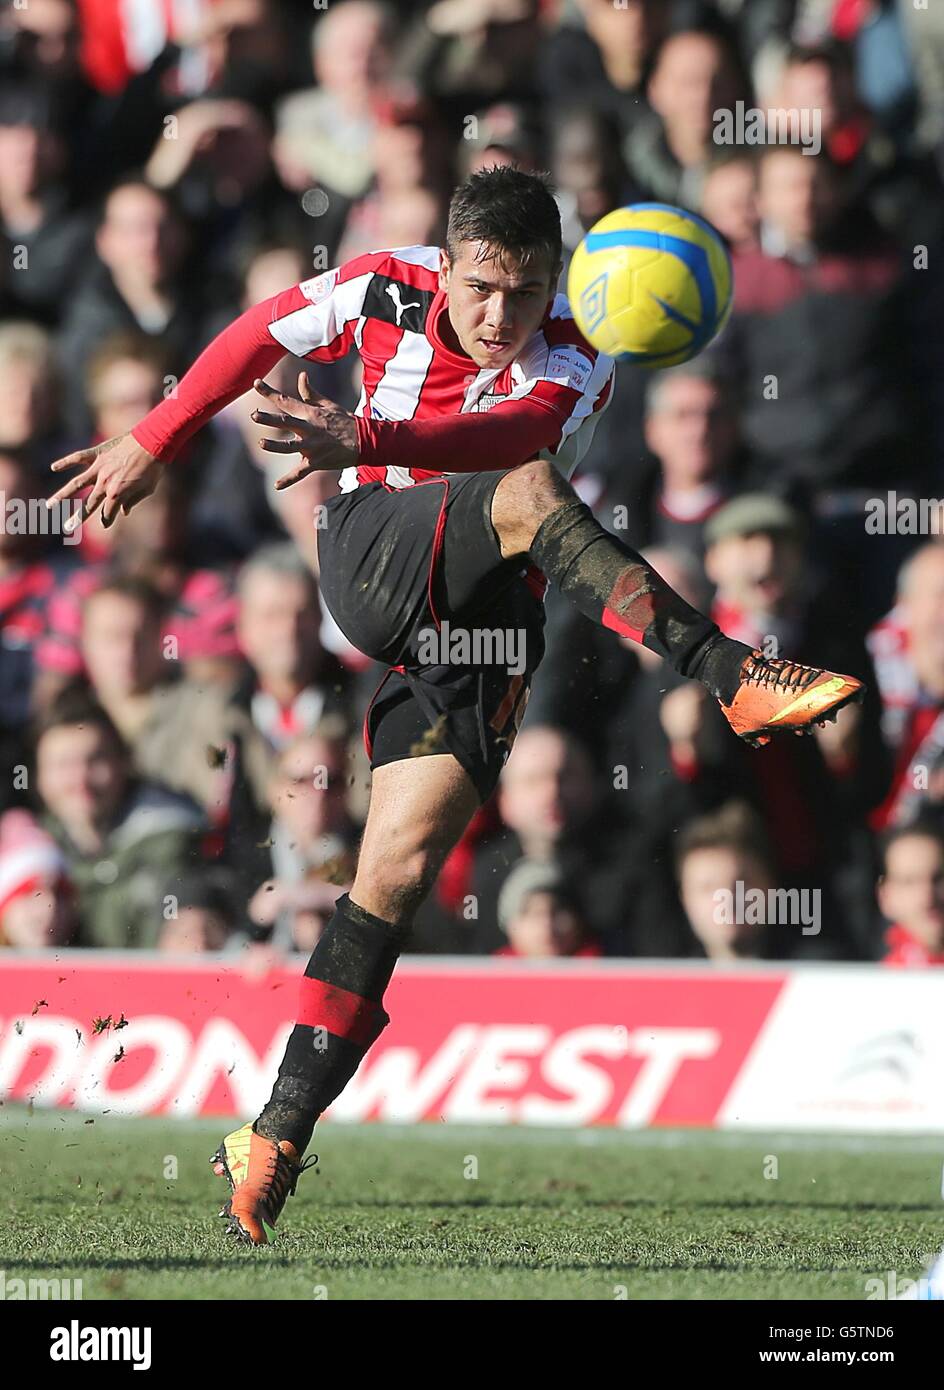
613, 585
340, 1017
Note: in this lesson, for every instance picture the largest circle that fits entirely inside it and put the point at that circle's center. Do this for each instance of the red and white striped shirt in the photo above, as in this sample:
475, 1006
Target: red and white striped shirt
421, 404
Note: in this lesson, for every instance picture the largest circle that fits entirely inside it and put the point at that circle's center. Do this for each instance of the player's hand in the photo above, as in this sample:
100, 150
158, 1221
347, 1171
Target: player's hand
324, 434
119, 473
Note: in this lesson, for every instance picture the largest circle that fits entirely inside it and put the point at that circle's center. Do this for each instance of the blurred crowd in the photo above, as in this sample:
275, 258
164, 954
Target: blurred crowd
181, 765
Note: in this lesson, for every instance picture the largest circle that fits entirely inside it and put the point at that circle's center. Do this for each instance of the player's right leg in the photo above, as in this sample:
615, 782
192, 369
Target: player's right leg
419, 808
536, 512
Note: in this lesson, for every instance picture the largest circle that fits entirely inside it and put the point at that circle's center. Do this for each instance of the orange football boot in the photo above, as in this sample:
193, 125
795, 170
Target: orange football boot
261, 1174
779, 695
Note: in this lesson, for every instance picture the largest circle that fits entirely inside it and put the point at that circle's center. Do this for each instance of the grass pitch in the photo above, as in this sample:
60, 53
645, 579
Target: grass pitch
441, 1212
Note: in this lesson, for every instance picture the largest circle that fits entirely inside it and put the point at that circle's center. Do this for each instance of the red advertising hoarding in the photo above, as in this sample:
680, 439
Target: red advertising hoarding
492, 1041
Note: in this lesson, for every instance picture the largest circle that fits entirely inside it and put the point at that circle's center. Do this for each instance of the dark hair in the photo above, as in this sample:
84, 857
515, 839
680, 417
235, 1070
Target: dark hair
136, 179
76, 708
124, 346
831, 54
514, 213
735, 826
925, 826
138, 590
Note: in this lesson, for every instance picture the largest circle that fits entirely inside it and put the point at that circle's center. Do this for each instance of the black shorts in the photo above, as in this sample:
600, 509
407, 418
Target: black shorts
414, 578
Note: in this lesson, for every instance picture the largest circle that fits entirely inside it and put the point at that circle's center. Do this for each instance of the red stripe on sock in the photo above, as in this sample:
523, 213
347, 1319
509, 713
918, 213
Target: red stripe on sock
344, 1014
617, 624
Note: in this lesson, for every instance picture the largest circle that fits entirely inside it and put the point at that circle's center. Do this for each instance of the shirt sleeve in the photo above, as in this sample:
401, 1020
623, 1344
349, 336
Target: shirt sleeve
508, 434
577, 382
315, 319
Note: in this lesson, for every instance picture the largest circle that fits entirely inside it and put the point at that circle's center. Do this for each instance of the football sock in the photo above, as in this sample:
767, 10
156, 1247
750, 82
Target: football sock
340, 1016
613, 585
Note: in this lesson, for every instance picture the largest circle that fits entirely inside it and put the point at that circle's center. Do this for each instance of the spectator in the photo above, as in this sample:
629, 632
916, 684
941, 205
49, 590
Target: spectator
603, 54
123, 839
691, 431
125, 376
716, 854
137, 284
910, 668
837, 411
911, 895
29, 575
765, 592
151, 543
589, 173
29, 389
694, 75
729, 199
36, 908
406, 204
504, 133
324, 135
312, 842
41, 47
819, 85
541, 916
292, 683
199, 915
554, 812
465, 53
219, 168
180, 732
232, 511
42, 238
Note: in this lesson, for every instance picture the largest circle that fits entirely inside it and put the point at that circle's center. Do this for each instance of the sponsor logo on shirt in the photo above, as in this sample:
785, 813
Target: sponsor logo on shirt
320, 287
568, 366
488, 399
398, 303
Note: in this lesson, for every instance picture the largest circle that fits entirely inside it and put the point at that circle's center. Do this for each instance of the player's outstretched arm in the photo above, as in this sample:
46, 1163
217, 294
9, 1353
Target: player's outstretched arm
330, 438
123, 470
120, 473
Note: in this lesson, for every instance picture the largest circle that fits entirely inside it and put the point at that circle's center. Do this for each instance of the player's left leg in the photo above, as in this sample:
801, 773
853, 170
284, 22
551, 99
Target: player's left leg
393, 565
419, 808
536, 511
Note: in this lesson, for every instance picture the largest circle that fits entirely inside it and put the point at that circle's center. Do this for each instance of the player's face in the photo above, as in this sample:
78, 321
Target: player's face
494, 306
